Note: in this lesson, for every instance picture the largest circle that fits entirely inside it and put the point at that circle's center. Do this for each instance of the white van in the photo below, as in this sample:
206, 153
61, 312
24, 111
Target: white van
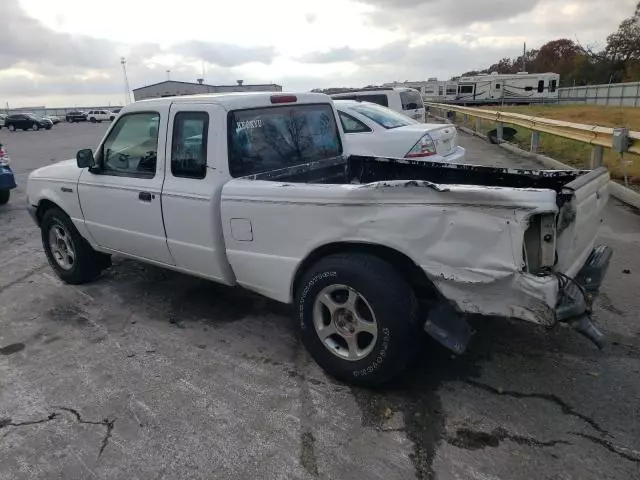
401, 99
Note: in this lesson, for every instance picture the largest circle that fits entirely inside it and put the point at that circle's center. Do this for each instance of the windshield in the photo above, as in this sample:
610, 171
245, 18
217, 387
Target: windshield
382, 116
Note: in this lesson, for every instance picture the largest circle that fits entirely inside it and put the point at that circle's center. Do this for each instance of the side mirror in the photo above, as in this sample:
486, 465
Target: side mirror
84, 158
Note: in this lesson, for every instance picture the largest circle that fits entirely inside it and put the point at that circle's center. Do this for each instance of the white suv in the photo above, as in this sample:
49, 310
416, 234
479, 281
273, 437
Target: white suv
100, 115
401, 99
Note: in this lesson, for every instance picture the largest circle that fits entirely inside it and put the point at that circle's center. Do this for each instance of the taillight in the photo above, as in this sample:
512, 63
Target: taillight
425, 147
4, 158
283, 99
539, 247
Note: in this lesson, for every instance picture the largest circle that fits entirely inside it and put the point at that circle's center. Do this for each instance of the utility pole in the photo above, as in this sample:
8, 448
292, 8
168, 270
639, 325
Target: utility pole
524, 58
168, 74
127, 95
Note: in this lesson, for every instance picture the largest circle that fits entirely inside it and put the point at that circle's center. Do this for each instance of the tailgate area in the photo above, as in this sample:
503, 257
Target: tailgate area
581, 213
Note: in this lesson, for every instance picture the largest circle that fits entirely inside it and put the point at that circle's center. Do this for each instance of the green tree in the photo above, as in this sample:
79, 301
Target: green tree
623, 49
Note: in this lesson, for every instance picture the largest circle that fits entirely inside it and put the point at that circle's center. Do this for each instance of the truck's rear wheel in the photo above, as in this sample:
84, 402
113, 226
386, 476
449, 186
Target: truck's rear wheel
4, 196
72, 258
359, 318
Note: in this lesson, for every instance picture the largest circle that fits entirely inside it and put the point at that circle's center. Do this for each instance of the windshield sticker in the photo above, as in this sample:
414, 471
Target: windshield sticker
249, 125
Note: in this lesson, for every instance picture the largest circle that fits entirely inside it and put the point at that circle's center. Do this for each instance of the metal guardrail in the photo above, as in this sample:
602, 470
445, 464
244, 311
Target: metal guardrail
599, 137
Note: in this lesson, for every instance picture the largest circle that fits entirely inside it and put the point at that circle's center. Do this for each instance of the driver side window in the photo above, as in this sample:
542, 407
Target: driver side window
131, 148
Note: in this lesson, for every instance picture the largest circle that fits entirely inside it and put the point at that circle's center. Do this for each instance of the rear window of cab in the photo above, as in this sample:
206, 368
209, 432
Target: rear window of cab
411, 100
271, 138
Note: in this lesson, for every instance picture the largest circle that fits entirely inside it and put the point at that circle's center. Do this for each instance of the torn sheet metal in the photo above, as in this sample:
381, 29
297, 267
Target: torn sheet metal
467, 237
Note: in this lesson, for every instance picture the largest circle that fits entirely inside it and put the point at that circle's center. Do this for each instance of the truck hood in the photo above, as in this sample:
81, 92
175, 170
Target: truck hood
65, 170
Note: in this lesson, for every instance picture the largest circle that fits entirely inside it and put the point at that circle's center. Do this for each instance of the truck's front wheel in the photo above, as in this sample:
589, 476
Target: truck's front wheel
4, 196
72, 258
359, 318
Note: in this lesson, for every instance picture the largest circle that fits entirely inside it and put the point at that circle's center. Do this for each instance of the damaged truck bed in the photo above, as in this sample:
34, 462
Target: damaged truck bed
490, 241
370, 251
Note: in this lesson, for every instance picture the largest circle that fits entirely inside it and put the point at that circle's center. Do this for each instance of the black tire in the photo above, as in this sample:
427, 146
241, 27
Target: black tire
88, 263
35, 127
48, 127
92, 120
389, 298
12, 128
4, 196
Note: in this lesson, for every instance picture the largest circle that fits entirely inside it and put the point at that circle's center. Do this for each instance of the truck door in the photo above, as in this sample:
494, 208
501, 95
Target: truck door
120, 199
192, 189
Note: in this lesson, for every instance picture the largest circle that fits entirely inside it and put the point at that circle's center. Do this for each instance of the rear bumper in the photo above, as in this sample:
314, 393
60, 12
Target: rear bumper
576, 296
7, 180
456, 155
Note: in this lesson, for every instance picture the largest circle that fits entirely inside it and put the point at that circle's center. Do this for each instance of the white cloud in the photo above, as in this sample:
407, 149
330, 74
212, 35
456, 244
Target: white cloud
74, 46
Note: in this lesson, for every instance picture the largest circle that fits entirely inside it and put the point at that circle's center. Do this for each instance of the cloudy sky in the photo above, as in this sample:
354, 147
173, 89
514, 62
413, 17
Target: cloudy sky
67, 52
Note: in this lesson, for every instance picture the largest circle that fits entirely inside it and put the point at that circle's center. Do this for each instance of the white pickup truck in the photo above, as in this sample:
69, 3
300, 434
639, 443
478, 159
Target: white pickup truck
255, 190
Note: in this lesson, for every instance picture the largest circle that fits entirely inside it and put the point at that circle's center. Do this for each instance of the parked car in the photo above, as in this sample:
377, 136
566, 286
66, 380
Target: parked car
76, 116
7, 180
406, 101
26, 121
374, 130
100, 116
371, 251
2, 119
116, 110
53, 118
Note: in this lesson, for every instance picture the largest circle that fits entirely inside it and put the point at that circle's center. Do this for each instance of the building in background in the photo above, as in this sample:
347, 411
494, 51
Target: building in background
172, 88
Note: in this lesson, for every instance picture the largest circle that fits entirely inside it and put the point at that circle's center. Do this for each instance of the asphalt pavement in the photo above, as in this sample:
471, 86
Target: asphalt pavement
150, 374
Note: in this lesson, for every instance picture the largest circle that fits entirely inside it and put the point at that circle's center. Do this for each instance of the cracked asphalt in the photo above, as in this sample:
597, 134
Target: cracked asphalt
149, 374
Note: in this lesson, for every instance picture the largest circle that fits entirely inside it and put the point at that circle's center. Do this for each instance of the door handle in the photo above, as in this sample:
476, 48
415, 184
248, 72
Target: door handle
145, 196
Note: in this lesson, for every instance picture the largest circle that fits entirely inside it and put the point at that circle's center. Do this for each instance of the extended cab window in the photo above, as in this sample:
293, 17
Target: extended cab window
189, 145
411, 100
131, 147
351, 124
272, 138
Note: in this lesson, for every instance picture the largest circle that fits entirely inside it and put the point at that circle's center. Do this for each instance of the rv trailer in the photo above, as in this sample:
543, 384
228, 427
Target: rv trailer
519, 88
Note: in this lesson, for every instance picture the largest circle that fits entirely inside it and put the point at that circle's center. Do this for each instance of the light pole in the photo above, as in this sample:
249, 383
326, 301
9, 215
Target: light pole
127, 95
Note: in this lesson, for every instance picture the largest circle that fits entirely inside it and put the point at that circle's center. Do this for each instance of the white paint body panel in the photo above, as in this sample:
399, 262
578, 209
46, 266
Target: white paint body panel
53, 183
117, 218
468, 239
191, 207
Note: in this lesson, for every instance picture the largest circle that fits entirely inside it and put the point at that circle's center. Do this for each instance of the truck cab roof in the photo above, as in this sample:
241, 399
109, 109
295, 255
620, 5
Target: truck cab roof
240, 100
